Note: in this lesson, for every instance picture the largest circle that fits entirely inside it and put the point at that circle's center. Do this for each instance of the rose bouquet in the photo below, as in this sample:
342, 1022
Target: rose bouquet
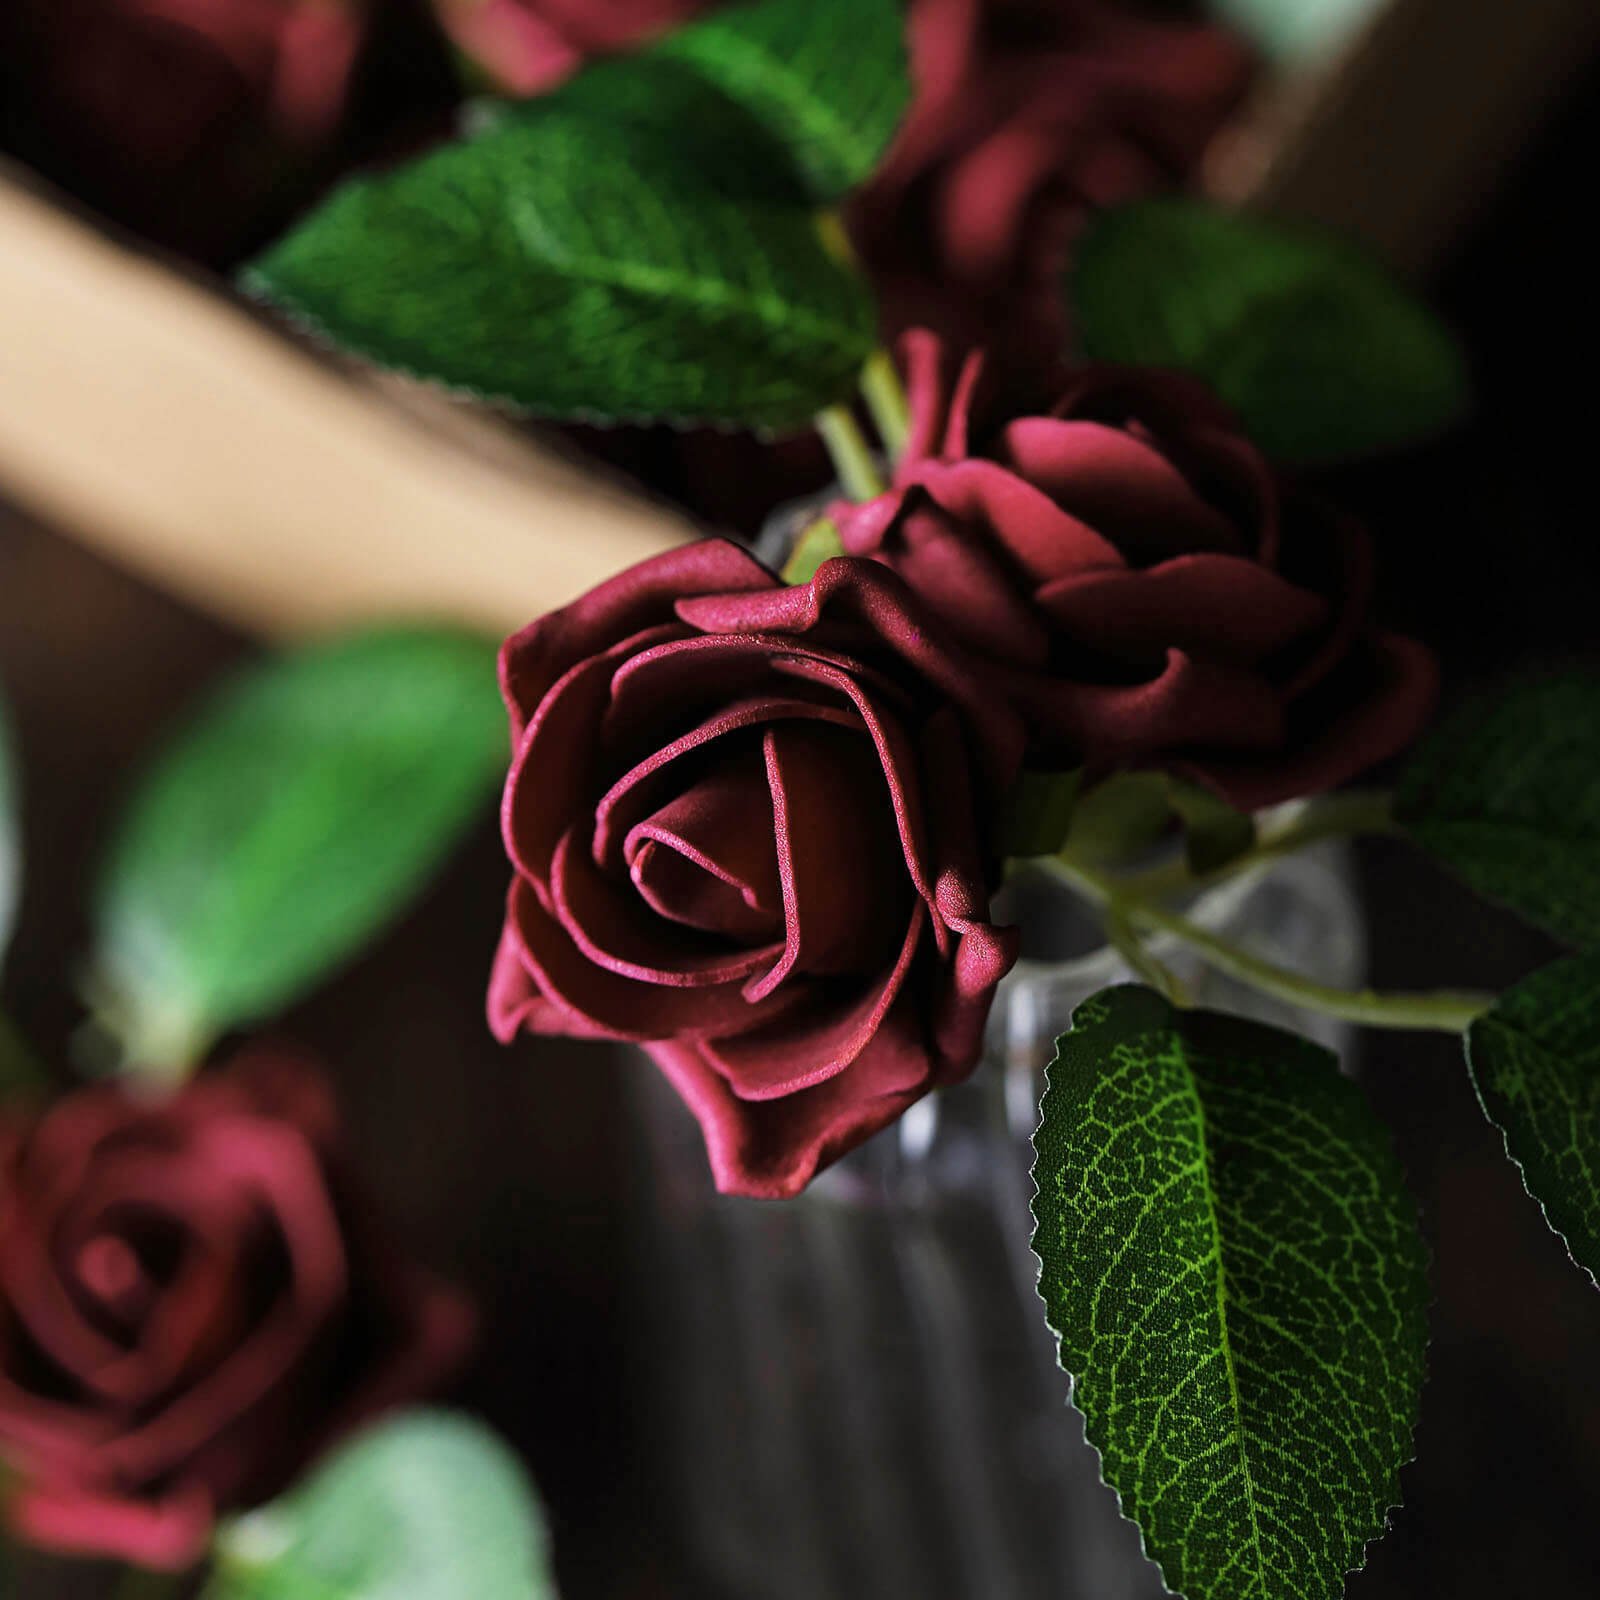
1072, 615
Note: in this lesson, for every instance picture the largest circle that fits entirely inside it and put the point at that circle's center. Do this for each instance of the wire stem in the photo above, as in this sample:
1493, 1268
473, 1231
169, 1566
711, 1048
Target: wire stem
852, 460
886, 400
1445, 1011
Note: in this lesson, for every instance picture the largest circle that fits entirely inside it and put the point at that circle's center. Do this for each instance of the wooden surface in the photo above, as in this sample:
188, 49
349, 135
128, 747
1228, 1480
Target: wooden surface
170, 428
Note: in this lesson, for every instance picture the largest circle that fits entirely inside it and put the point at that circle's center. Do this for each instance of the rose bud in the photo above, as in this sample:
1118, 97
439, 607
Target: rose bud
1027, 114
1151, 594
180, 116
529, 46
194, 1300
747, 824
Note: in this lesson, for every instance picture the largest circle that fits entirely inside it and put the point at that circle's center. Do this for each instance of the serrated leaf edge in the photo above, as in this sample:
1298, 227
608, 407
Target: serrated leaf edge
1072, 1382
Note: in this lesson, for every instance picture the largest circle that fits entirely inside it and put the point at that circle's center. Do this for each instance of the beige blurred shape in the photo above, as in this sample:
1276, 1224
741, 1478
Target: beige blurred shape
177, 433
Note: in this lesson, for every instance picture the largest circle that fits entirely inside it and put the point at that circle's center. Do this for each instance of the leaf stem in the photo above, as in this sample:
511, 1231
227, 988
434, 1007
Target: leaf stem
852, 460
1446, 1011
886, 400
1124, 939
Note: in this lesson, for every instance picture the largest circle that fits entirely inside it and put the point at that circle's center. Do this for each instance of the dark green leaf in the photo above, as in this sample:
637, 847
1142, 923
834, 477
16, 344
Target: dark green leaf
1322, 355
429, 1505
827, 78
1039, 812
1233, 1268
1535, 1063
22, 1079
817, 543
1213, 832
10, 838
306, 803
633, 245
1507, 793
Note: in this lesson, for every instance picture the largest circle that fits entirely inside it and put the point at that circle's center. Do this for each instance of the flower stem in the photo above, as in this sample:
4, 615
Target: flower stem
1124, 939
1282, 832
886, 400
852, 460
1444, 1010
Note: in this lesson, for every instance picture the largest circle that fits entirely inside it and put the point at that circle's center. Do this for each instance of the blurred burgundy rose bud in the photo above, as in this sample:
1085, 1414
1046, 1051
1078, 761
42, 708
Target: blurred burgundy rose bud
1027, 113
194, 1299
178, 116
747, 822
528, 46
1150, 592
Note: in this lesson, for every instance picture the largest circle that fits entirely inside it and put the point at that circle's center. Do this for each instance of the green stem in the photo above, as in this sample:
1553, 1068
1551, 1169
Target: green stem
886, 400
1124, 939
852, 460
1334, 816
1444, 1010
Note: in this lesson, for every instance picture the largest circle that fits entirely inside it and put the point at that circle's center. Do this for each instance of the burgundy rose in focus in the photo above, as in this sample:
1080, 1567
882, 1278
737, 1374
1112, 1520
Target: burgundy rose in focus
746, 821
1151, 594
1027, 114
178, 116
193, 1301
529, 46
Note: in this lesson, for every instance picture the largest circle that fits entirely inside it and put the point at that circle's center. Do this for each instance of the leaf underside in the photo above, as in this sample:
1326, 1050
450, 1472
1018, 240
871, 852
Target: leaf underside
1507, 794
1535, 1063
1315, 347
1233, 1268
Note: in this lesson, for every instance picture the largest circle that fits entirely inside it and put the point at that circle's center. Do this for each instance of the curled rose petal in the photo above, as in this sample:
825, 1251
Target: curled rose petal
761, 851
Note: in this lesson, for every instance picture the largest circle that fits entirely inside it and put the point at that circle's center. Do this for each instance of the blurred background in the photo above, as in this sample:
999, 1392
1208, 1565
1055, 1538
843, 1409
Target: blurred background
512, 1168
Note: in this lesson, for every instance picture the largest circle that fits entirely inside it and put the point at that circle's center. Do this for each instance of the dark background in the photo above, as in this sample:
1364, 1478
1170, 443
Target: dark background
508, 1168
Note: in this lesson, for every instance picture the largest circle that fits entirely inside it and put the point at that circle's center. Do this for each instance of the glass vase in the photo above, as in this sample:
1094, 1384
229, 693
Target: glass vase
853, 1394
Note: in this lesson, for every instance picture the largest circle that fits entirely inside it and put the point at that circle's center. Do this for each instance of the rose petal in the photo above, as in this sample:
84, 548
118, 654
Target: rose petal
615, 930
771, 1149
532, 660
167, 1534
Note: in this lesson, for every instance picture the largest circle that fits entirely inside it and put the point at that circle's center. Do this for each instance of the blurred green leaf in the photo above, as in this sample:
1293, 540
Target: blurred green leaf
633, 245
1507, 793
828, 78
1213, 832
311, 797
1312, 343
428, 1505
1039, 812
1297, 30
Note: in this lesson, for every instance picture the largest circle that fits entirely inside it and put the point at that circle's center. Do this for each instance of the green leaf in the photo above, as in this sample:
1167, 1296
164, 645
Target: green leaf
1535, 1062
633, 245
1319, 352
429, 1505
1119, 818
10, 838
1507, 794
827, 78
1297, 30
817, 543
1233, 1268
309, 799
1039, 812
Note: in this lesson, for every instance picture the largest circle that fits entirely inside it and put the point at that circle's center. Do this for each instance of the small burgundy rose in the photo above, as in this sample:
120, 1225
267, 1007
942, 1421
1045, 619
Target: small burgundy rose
180, 116
529, 46
194, 1299
1027, 114
747, 822
1151, 594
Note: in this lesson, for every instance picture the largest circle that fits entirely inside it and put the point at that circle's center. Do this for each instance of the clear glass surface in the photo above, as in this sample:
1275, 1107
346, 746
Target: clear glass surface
853, 1395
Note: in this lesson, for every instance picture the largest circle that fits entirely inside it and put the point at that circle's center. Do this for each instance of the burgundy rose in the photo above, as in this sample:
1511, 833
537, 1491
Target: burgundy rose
179, 116
1151, 593
1027, 113
529, 46
193, 1300
746, 821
